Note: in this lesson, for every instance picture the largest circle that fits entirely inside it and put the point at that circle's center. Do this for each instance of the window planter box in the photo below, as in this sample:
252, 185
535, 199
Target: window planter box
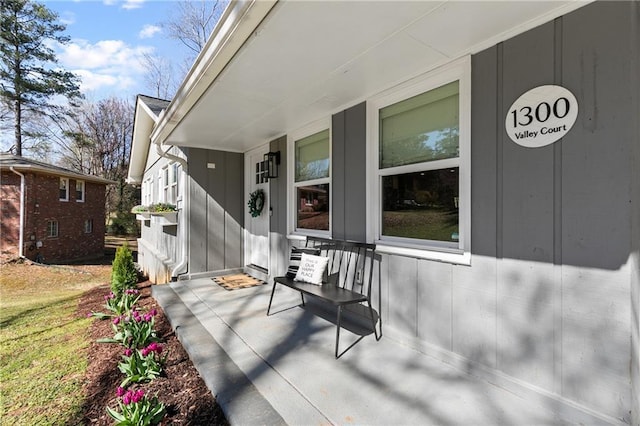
143, 216
164, 218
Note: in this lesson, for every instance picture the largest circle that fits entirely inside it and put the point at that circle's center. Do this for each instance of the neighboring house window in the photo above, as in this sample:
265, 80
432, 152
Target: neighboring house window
64, 189
88, 226
421, 181
52, 228
80, 191
312, 183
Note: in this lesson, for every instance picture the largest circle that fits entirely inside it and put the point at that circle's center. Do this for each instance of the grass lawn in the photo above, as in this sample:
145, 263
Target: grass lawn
432, 224
43, 342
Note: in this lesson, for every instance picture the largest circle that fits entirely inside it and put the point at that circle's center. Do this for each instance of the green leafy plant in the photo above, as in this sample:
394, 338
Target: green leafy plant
162, 207
124, 275
118, 306
134, 330
136, 409
142, 365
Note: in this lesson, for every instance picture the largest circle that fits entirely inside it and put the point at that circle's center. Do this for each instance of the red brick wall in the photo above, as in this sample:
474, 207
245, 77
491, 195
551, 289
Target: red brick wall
9, 212
43, 204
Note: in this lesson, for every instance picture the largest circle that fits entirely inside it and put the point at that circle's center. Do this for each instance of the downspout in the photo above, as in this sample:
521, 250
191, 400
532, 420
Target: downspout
21, 238
181, 267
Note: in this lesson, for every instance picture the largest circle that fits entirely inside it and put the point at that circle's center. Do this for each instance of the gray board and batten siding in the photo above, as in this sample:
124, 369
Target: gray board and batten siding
550, 298
216, 210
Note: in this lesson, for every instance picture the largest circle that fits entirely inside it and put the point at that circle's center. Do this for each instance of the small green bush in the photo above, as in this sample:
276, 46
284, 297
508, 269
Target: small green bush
123, 275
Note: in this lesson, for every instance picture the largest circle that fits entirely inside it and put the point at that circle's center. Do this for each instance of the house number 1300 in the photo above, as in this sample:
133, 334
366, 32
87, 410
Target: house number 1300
541, 116
542, 112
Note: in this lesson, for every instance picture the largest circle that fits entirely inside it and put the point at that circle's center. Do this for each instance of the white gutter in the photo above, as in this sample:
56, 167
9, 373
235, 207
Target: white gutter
181, 267
21, 239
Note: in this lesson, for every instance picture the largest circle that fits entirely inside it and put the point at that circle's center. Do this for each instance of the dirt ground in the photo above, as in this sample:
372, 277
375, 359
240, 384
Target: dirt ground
181, 389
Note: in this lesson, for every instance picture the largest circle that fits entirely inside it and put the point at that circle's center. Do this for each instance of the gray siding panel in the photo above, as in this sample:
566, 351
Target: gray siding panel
484, 151
596, 163
215, 229
634, 89
338, 175
355, 173
234, 210
596, 153
550, 293
198, 210
278, 243
217, 210
348, 164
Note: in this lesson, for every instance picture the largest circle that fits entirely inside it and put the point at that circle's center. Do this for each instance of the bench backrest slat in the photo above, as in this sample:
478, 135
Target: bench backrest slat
350, 263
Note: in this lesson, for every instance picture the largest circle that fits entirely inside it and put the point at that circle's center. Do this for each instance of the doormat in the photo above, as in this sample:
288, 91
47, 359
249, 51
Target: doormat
237, 281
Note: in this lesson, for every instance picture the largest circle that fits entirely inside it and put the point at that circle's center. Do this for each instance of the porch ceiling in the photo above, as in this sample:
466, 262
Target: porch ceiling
309, 59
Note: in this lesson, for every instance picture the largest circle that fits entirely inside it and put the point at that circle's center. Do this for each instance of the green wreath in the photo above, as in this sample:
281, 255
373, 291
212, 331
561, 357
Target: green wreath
256, 202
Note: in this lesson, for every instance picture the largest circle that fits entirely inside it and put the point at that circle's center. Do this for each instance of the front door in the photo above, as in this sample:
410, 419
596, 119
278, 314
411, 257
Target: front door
257, 235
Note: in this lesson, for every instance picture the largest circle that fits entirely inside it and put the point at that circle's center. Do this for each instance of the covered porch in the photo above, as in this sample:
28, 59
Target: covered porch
281, 369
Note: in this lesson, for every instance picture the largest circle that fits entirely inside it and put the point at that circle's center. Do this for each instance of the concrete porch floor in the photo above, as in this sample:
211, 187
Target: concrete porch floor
281, 369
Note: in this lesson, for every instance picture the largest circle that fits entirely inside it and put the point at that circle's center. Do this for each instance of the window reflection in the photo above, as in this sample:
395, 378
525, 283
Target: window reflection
313, 207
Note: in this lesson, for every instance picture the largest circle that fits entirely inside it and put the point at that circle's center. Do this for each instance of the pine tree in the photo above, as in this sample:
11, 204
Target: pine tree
29, 75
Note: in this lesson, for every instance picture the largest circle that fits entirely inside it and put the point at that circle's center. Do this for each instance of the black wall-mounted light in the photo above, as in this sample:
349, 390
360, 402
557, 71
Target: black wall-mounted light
271, 161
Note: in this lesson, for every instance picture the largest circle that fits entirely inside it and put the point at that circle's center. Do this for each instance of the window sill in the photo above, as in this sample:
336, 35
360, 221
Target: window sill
457, 257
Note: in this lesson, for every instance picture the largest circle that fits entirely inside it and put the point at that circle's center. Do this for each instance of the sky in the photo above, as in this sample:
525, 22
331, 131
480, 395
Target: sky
108, 38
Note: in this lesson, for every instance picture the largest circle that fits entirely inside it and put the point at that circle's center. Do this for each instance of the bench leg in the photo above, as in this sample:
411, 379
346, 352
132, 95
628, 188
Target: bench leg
338, 329
271, 299
373, 322
302, 296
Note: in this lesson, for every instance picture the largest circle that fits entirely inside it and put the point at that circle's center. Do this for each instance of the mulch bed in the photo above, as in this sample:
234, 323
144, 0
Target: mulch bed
181, 389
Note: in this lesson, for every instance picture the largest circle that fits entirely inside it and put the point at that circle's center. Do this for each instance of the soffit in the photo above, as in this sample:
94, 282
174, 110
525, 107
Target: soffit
308, 60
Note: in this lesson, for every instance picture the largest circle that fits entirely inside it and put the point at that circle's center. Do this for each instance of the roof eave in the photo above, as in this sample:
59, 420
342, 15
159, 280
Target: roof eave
238, 22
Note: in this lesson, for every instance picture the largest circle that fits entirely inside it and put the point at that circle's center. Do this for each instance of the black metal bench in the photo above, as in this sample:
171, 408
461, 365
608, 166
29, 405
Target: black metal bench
347, 281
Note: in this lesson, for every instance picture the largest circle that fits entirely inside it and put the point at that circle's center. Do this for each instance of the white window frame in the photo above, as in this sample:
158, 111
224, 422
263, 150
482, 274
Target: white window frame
292, 185
66, 198
146, 191
49, 228
174, 177
88, 226
80, 200
459, 70
159, 193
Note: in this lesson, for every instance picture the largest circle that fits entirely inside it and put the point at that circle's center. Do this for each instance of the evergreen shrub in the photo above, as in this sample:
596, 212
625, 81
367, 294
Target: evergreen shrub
124, 274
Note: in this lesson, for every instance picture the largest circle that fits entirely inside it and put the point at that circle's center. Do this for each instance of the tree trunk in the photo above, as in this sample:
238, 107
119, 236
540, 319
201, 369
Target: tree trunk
18, 127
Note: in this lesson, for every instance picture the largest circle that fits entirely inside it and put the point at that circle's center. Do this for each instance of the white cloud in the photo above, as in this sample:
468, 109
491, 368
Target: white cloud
132, 4
149, 31
127, 4
67, 18
108, 65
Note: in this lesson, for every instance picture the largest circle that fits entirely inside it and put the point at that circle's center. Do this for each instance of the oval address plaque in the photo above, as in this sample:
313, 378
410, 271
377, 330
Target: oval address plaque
541, 116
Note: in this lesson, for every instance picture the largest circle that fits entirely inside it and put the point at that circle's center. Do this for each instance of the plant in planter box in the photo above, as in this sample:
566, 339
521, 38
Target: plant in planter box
162, 208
